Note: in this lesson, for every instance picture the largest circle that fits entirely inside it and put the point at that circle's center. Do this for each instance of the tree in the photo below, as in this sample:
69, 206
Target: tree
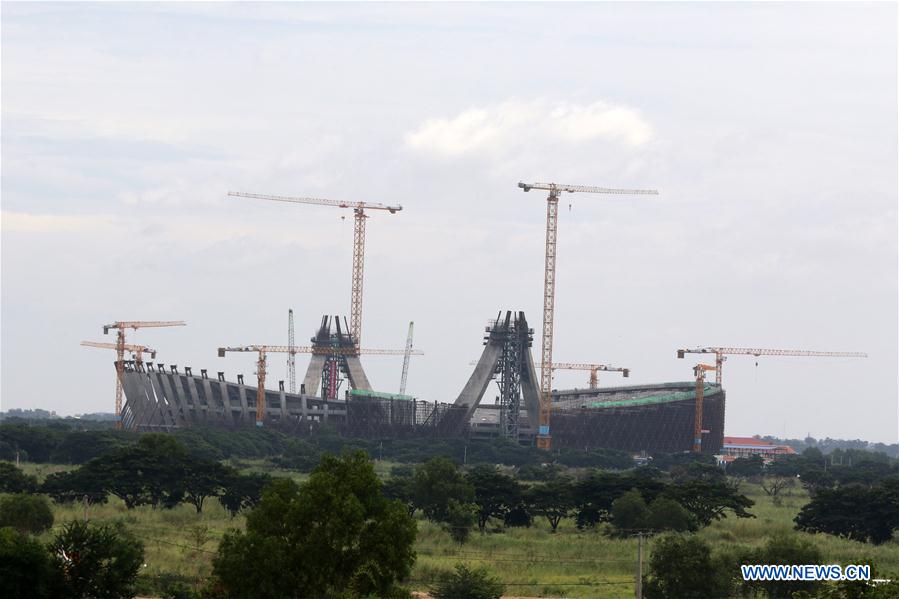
666, 514
26, 513
683, 568
774, 485
595, 493
460, 517
205, 478
75, 485
401, 486
25, 569
494, 493
709, 500
854, 512
464, 583
784, 549
436, 482
747, 467
553, 500
335, 534
629, 512
149, 473
243, 491
13, 480
96, 561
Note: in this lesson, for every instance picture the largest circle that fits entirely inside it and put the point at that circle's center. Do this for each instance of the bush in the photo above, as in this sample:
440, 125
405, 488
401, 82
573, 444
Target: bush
459, 519
683, 568
629, 512
26, 513
335, 535
25, 569
96, 561
464, 583
667, 514
784, 549
13, 480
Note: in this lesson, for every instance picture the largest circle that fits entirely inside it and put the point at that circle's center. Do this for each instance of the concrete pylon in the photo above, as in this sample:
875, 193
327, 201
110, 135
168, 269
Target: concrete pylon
499, 334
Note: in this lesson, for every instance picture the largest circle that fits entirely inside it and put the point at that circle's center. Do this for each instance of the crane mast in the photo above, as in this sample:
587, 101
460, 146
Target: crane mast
359, 217
406, 354
291, 355
549, 289
722, 352
699, 372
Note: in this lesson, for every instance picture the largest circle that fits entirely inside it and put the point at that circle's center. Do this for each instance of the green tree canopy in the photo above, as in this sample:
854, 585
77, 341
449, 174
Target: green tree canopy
683, 568
25, 568
13, 480
436, 482
243, 491
554, 500
26, 513
854, 511
495, 493
629, 512
97, 562
335, 534
465, 583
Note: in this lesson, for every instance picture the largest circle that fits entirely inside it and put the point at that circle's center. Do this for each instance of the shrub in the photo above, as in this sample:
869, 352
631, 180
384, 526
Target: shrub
26, 513
25, 569
96, 561
683, 568
13, 480
464, 583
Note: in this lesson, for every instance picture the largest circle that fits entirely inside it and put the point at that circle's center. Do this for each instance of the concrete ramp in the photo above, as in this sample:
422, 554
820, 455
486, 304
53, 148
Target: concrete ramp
356, 374
314, 374
479, 380
530, 391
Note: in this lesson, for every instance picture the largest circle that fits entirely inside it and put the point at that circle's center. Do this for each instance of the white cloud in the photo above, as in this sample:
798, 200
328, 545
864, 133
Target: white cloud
53, 223
513, 123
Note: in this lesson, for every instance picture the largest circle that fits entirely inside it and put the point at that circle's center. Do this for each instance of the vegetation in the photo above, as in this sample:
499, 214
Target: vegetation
548, 528
465, 583
334, 535
26, 513
81, 561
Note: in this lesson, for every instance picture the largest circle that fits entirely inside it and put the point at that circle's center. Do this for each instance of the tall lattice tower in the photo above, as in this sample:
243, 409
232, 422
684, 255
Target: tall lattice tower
291, 354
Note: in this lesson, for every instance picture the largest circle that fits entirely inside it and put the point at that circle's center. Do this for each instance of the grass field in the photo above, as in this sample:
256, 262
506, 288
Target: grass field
180, 544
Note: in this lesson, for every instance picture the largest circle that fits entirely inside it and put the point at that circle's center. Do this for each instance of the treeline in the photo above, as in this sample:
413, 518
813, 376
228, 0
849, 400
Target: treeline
63, 444
641, 500
827, 445
158, 471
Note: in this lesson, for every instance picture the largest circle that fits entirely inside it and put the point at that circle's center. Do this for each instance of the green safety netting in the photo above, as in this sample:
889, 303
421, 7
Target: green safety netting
379, 395
654, 399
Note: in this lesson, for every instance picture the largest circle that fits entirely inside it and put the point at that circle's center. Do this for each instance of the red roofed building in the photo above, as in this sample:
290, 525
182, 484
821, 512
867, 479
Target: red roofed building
744, 447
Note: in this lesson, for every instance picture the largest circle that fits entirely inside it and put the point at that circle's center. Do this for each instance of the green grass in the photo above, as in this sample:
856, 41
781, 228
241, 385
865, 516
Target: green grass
570, 563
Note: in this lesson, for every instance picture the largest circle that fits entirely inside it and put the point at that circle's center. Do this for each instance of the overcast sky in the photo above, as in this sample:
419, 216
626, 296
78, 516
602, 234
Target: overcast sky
770, 130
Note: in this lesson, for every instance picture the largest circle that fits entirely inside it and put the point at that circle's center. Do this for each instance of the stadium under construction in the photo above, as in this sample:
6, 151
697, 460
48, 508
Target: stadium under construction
651, 418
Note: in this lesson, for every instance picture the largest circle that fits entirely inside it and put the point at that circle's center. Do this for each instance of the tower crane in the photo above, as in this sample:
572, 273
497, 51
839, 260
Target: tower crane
359, 209
291, 355
137, 351
263, 350
594, 370
406, 355
699, 372
549, 288
121, 326
722, 352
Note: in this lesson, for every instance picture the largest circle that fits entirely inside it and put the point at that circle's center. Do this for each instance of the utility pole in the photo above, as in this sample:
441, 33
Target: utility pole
639, 585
